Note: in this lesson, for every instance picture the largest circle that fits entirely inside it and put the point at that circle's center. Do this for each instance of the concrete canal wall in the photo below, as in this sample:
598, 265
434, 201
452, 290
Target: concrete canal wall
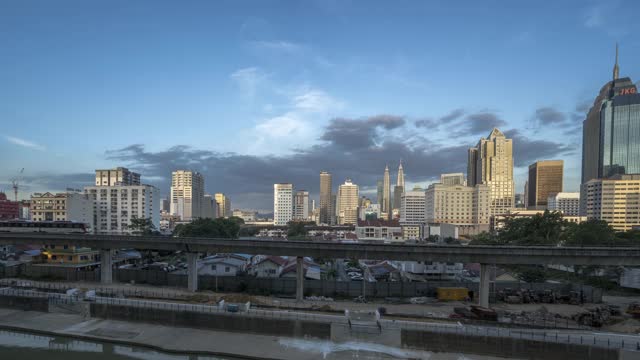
504, 346
212, 321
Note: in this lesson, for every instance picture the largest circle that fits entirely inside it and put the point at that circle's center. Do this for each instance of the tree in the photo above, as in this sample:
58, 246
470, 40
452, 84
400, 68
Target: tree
142, 226
540, 229
217, 228
591, 233
297, 228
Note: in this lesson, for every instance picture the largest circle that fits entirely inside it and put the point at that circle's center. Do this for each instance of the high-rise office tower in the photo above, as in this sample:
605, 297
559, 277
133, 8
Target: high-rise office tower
611, 130
301, 205
457, 204
209, 207
398, 190
224, 205
347, 202
117, 176
187, 192
452, 179
596, 201
566, 202
380, 193
282, 204
491, 163
325, 198
386, 196
413, 207
545, 177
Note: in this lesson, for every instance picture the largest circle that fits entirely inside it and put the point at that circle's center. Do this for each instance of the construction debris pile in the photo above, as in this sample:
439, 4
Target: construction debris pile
528, 296
597, 316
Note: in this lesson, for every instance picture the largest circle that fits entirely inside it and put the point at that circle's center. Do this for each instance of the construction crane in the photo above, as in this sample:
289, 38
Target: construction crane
15, 183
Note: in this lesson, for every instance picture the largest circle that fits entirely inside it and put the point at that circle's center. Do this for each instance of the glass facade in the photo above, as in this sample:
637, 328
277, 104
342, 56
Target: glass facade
620, 141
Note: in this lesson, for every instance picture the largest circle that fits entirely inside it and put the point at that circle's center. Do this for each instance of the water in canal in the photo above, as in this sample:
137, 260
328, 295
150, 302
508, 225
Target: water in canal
27, 346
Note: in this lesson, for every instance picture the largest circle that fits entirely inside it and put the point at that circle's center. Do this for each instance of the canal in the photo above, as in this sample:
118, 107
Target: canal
28, 346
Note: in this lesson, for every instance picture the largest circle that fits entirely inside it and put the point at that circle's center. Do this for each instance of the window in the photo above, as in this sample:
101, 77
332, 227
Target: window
227, 269
213, 267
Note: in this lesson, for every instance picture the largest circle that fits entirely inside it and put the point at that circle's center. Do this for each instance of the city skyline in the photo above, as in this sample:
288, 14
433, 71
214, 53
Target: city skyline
295, 120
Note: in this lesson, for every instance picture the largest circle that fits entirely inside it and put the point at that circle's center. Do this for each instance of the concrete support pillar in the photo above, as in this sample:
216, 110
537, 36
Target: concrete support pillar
192, 271
299, 278
106, 266
483, 293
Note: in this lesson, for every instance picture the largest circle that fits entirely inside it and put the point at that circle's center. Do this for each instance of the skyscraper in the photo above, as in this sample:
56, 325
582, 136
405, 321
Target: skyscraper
413, 207
386, 196
301, 205
224, 205
452, 179
282, 204
325, 198
611, 131
117, 176
380, 193
491, 163
545, 177
347, 201
398, 190
187, 192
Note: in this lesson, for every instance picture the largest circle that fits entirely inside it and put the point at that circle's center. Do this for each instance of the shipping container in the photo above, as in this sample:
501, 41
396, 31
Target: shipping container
452, 293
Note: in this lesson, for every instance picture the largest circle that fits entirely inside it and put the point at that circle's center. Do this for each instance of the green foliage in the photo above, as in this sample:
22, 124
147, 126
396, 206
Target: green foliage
296, 229
217, 228
530, 274
589, 233
248, 231
550, 229
541, 229
485, 238
142, 226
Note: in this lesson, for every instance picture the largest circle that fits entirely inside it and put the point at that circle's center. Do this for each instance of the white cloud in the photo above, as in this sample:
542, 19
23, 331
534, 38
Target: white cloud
278, 45
316, 101
594, 16
282, 126
248, 79
24, 143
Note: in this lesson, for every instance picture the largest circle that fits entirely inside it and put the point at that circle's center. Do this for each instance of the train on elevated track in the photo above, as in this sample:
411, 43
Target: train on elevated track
52, 227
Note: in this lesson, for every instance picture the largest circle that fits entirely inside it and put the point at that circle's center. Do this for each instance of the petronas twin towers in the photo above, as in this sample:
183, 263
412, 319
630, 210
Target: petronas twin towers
387, 208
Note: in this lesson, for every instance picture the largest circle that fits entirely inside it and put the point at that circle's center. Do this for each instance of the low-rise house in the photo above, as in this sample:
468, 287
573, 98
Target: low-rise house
223, 265
379, 230
268, 267
218, 267
311, 270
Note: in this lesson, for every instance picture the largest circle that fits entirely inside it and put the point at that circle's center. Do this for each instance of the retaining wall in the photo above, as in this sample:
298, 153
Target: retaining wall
25, 303
287, 286
503, 346
236, 323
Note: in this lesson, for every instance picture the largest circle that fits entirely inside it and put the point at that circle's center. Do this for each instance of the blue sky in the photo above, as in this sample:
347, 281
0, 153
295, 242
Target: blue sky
252, 93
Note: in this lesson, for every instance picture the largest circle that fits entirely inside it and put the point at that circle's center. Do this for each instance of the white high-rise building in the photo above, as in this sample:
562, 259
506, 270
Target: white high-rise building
615, 200
458, 204
187, 192
282, 204
117, 176
453, 179
566, 202
413, 207
115, 206
347, 203
301, 205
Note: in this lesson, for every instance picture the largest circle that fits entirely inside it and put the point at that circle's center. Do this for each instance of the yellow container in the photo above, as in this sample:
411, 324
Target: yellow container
452, 293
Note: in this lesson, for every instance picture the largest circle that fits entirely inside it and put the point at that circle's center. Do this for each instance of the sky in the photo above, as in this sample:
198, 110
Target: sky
252, 93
